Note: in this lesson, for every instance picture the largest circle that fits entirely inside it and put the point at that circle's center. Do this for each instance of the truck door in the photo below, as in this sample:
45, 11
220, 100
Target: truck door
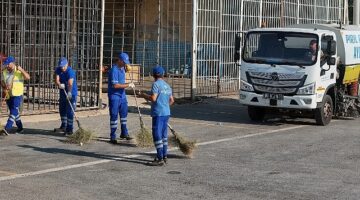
327, 56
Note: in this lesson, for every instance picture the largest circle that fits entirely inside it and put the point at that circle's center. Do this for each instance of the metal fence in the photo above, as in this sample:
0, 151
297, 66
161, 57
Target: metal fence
192, 39
38, 32
152, 32
219, 20
199, 34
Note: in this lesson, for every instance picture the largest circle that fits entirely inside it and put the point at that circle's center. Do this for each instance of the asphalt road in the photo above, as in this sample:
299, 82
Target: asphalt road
235, 159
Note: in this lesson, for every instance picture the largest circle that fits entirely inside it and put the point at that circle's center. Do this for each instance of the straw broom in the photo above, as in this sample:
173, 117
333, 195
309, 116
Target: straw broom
81, 136
186, 146
144, 136
2, 127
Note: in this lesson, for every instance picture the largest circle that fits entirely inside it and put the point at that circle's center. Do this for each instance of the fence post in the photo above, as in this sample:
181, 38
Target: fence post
101, 51
261, 13
158, 34
194, 50
356, 6
282, 17
298, 13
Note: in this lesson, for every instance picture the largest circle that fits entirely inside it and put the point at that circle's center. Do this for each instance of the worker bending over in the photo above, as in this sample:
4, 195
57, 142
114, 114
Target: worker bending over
65, 79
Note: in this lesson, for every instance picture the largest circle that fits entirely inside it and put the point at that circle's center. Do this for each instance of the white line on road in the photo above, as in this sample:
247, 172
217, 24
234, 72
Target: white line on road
102, 161
249, 135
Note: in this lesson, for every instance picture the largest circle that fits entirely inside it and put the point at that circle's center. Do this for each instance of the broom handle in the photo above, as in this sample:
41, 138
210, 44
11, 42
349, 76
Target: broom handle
72, 108
172, 130
136, 102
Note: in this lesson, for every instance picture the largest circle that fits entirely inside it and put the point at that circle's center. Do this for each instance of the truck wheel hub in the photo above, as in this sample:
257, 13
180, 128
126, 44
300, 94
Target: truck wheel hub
327, 110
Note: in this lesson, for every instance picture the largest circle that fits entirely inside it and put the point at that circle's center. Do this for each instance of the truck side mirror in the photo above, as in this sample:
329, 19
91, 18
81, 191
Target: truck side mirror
237, 46
331, 48
331, 61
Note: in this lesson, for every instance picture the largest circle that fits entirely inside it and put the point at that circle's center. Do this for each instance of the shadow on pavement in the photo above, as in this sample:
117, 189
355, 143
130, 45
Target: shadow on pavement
123, 143
170, 155
29, 131
86, 154
223, 110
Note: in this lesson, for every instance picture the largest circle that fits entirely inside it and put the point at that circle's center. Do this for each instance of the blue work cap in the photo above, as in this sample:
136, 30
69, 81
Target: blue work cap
62, 62
124, 57
158, 70
9, 60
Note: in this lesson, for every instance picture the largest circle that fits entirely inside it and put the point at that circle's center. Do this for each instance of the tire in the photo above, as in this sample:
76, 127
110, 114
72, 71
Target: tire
256, 113
324, 114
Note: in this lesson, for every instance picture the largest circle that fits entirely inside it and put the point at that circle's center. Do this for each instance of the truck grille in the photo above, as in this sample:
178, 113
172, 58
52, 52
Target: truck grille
268, 76
274, 90
276, 83
272, 83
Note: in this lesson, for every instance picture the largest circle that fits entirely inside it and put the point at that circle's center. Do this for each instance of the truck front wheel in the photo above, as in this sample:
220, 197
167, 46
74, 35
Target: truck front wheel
256, 113
324, 113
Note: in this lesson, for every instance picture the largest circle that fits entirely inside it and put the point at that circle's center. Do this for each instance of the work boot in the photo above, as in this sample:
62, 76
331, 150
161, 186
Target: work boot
165, 160
68, 133
19, 131
127, 137
156, 162
4, 132
113, 141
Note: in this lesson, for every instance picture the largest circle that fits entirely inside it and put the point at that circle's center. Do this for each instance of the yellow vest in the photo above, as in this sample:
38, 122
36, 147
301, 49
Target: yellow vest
17, 83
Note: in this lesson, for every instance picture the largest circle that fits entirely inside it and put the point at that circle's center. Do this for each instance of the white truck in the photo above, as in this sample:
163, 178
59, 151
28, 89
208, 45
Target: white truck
309, 69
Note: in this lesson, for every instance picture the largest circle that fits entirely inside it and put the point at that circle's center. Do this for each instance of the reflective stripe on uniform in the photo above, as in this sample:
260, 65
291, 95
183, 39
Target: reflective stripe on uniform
123, 120
165, 141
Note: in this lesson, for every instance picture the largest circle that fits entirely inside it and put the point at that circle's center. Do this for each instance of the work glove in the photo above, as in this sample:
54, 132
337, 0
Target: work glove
131, 85
62, 86
69, 95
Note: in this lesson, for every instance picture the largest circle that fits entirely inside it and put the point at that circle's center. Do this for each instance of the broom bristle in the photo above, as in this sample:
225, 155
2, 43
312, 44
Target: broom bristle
81, 136
144, 138
187, 147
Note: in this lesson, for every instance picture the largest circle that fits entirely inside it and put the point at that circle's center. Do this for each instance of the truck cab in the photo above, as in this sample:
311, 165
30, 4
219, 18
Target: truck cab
292, 69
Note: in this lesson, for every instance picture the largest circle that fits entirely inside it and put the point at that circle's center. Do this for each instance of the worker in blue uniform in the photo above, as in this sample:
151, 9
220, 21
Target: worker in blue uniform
13, 77
118, 104
161, 98
66, 81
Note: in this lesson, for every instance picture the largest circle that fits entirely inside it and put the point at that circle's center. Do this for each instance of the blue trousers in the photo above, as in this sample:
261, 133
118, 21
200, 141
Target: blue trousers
14, 105
118, 106
160, 135
66, 113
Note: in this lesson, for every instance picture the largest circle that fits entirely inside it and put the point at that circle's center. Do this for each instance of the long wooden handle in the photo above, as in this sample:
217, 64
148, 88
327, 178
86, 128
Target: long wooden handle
136, 102
72, 108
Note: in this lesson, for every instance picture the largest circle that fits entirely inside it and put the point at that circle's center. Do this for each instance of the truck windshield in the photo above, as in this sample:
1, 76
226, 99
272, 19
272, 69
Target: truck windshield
282, 48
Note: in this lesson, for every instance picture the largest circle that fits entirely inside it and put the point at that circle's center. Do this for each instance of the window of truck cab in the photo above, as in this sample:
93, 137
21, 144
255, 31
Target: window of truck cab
281, 48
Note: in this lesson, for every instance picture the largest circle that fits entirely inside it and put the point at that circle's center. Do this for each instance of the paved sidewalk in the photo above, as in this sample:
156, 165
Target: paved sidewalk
81, 114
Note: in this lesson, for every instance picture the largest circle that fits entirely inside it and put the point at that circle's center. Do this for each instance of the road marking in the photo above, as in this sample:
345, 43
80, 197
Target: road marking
57, 169
214, 124
7, 173
250, 135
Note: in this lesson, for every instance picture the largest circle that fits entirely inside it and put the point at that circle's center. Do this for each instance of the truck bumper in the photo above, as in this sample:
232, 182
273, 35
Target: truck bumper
304, 102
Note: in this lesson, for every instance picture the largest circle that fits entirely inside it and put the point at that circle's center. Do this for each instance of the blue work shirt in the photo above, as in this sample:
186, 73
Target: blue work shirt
161, 106
116, 76
64, 79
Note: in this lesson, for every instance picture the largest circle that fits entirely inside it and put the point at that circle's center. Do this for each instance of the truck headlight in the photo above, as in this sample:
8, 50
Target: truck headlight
307, 89
245, 86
